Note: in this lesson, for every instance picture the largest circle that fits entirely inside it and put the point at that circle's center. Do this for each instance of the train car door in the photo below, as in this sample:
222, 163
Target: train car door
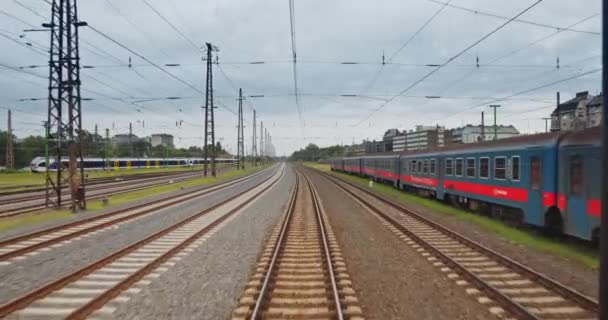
538, 192
116, 165
575, 215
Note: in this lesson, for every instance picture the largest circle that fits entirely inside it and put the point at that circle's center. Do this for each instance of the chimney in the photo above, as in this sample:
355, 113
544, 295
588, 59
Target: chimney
483, 128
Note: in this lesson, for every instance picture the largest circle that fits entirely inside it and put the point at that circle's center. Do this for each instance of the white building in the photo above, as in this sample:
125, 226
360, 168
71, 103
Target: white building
472, 134
161, 139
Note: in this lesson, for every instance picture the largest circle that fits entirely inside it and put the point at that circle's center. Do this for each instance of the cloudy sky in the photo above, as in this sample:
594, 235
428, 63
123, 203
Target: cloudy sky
345, 92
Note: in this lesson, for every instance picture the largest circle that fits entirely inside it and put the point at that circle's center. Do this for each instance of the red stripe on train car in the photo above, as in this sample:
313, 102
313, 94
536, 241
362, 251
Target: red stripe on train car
429, 182
386, 174
594, 207
507, 193
561, 202
548, 199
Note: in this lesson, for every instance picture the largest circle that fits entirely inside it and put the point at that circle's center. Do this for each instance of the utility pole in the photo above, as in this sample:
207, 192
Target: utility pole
483, 126
261, 142
266, 145
209, 117
559, 116
130, 140
105, 149
546, 124
254, 149
603, 278
495, 106
64, 92
240, 143
10, 155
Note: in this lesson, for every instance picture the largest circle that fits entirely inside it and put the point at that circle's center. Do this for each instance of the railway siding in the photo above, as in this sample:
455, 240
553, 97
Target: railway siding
505, 287
99, 288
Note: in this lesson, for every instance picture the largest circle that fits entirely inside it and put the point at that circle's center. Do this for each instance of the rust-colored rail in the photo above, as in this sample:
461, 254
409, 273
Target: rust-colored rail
510, 304
99, 300
172, 200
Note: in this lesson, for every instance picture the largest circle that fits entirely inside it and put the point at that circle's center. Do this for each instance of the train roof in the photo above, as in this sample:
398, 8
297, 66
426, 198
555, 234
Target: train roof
591, 136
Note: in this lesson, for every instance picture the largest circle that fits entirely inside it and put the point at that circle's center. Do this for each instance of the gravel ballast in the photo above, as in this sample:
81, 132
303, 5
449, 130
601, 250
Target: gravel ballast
207, 283
22, 276
393, 281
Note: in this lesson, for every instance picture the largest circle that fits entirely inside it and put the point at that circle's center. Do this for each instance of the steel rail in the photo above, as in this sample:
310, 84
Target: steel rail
256, 313
330, 268
578, 298
179, 199
81, 313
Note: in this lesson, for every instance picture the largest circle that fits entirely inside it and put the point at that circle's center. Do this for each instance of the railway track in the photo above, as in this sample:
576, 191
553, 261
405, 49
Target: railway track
100, 287
21, 247
508, 288
301, 273
120, 188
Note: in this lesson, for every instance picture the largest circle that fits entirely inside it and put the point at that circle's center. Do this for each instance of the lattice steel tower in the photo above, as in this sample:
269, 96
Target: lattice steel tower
209, 149
254, 147
10, 155
64, 130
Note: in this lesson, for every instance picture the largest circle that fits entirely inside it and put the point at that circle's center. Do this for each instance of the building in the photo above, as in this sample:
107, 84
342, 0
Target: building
123, 139
582, 111
424, 138
473, 133
161, 139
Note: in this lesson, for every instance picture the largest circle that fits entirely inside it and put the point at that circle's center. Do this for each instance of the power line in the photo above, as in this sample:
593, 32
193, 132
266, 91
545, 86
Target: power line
516, 20
449, 60
522, 92
22, 71
422, 27
292, 23
171, 25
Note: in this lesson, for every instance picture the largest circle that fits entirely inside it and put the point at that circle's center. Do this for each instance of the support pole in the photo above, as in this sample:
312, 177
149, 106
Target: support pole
240, 141
495, 106
603, 278
209, 152
254, 149
546, 124
10, 155
483, 126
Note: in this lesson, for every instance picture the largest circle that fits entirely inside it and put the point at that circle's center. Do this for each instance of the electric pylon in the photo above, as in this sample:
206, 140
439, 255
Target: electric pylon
64, 132
209, 117
240, 141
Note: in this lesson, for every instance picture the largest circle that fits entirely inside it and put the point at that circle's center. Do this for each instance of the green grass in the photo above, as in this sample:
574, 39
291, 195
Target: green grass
577, 253
20, 179
94, 205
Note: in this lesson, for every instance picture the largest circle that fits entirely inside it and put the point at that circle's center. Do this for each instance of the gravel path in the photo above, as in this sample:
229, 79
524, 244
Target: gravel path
21, 277
392, 280
207, 283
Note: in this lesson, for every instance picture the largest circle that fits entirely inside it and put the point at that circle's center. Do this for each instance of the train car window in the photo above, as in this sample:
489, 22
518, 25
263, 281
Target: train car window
419, 165
449, 169
500, 168
425, 166
484, 168
432, 169
413, 165
471, 168
535, 173
576, 175
459, 167
515, 168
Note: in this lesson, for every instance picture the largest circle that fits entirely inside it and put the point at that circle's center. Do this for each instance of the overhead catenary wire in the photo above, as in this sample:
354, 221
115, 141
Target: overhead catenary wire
171, 25
292, 23
450, 60
488, 14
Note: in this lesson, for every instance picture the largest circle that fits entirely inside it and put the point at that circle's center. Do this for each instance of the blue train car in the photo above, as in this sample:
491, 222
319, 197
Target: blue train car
382, 168
352, 165
513, 178
578, 194
420, 172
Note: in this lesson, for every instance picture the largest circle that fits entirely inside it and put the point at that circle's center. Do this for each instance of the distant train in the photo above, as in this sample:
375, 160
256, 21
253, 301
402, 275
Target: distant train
38, 164
549, 180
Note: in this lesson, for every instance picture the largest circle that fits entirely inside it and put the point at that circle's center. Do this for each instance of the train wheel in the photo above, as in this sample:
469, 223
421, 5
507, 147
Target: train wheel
554, 224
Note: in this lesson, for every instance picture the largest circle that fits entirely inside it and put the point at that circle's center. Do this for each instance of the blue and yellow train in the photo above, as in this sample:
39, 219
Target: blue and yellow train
38, 164
548, 180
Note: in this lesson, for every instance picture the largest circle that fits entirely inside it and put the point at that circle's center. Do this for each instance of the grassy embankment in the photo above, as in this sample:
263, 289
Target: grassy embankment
20, 179
33, 218
577, 253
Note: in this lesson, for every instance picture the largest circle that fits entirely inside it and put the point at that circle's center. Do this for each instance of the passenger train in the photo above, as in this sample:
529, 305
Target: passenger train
38, 164
548, 180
